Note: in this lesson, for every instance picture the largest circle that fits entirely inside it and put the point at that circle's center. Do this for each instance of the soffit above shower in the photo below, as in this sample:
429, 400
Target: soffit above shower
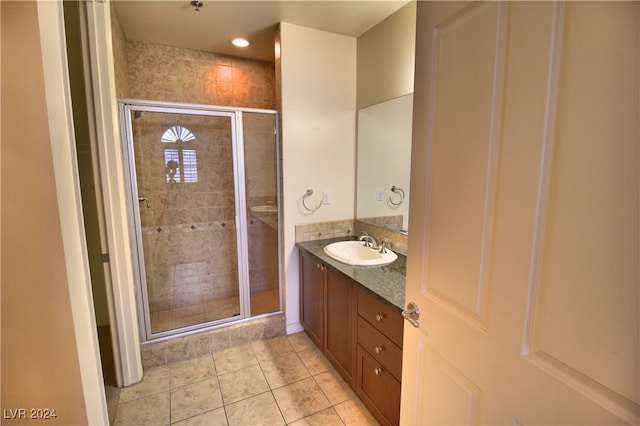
177, 23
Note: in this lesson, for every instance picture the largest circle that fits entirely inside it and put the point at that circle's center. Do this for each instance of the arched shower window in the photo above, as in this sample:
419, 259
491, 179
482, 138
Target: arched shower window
180, 162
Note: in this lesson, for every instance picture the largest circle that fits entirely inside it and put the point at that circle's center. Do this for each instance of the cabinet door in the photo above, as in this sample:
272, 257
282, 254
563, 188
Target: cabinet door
340, 314
378, 389
312, 297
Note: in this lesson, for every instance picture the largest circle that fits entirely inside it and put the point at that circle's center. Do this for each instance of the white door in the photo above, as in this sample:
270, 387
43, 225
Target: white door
524, 244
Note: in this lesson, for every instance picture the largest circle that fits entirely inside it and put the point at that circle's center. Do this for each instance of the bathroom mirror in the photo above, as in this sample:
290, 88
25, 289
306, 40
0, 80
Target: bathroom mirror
384, 161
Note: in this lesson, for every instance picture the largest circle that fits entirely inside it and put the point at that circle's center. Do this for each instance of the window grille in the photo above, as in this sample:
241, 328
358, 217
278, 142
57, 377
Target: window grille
180, 163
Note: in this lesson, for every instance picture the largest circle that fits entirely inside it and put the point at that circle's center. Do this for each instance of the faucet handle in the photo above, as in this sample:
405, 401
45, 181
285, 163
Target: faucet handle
369, 241
366, 240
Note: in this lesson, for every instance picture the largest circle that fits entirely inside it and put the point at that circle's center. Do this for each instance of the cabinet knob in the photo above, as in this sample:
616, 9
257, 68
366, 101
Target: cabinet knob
379, 349
379, 317
377, 371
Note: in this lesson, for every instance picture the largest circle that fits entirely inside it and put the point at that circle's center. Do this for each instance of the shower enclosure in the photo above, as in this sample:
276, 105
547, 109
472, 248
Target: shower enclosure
204, 189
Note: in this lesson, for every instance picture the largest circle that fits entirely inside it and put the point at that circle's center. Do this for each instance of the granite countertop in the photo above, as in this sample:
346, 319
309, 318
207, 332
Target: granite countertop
388, 282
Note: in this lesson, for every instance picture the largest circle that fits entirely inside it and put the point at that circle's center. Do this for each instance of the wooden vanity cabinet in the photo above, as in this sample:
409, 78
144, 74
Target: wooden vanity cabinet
379, 357
328, 313
360, 335
312, 297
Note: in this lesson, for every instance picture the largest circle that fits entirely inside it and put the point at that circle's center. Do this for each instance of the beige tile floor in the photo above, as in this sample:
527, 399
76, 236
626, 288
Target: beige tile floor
284, 380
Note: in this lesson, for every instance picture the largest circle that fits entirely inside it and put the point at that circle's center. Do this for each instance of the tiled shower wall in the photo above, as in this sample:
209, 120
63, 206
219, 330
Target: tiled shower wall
154, 72
119, 43
172, 74
188, 228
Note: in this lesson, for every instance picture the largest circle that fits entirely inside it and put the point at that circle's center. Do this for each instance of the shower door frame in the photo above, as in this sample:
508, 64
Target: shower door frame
126, 108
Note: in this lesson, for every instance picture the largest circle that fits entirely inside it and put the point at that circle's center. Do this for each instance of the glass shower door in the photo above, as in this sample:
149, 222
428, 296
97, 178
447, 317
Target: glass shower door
184, 180
261, 153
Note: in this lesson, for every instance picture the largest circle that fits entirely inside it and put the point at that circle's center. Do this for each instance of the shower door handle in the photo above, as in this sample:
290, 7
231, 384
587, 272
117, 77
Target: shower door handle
146, 201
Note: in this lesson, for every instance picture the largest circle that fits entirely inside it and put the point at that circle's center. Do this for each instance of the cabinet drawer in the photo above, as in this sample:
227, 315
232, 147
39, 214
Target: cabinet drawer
380, 348
381, 315
378, 389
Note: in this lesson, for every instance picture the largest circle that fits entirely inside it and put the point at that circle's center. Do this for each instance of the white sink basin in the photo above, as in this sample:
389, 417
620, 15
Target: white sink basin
355, 253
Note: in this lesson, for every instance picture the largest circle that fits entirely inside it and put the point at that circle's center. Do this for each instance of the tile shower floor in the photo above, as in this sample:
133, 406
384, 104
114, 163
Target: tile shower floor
284, 380
261, 303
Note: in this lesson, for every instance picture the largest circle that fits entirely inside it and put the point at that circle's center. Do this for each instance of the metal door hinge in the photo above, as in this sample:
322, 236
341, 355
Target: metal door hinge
104, 257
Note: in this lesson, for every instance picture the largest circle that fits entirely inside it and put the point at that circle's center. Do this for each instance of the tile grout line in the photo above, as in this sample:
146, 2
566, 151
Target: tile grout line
268, 384
310, 376
215, 370
170, 391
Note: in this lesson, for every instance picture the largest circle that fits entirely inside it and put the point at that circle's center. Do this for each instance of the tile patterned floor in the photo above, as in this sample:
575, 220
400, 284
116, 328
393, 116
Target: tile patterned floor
284, 380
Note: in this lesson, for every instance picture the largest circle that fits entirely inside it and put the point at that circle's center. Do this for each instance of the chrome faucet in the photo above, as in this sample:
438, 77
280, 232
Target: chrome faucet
382, 248
369, 241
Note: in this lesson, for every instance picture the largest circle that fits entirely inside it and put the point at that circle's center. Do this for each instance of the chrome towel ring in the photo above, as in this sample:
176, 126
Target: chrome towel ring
397, 190
307, 194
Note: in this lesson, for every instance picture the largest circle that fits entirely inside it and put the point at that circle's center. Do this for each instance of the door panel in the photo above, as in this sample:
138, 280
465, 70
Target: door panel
588, 213
263, 228
464, 157
443, 382
524, 256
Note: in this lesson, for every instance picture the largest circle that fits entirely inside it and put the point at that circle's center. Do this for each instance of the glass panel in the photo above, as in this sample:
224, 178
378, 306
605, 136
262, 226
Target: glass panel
184, 168
261, 155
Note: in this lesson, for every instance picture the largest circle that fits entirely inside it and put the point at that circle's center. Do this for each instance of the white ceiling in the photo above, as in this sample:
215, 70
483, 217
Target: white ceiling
177, 23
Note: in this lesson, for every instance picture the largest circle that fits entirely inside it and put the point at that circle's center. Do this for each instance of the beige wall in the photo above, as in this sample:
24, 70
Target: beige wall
40, 366
325, 77
318, 78
386, 56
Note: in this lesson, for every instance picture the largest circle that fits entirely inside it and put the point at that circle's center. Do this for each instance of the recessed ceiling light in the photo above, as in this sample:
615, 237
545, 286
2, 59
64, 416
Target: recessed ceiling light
240, 42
